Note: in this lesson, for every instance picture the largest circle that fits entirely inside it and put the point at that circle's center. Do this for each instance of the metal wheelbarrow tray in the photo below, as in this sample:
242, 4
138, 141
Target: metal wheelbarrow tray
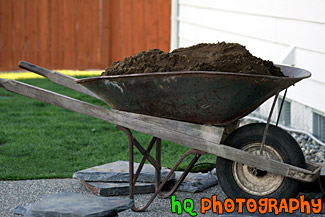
236, 94
217, 98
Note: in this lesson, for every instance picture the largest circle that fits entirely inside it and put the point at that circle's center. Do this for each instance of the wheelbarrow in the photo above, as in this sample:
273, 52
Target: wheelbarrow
199, 110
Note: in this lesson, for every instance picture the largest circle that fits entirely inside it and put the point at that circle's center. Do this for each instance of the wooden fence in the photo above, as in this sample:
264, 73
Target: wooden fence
80, 34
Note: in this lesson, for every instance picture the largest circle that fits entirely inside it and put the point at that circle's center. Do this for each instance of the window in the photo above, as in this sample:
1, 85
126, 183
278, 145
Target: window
319, 126
285, 118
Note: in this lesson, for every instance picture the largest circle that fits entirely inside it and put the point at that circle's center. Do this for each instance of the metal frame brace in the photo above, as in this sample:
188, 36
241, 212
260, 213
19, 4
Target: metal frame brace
156, 162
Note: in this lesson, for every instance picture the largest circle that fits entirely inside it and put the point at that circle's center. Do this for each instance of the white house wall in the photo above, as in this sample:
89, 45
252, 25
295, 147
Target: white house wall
267, 29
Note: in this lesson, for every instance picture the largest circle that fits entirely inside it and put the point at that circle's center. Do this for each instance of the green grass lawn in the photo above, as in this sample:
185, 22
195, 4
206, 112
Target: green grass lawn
39, 140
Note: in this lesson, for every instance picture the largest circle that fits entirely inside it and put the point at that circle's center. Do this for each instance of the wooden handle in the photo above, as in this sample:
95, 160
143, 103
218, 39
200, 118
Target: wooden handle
57, 77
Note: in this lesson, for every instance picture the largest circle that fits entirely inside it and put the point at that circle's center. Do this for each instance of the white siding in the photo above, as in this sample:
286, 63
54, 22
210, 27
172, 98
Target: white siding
307, 10
273, 29
268, 28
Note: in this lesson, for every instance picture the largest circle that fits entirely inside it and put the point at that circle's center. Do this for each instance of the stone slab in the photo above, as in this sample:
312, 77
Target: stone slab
81, 205
196, 182
119, 172
115, 189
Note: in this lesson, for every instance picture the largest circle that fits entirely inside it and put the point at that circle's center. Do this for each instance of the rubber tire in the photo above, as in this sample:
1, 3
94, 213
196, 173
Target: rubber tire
280, 140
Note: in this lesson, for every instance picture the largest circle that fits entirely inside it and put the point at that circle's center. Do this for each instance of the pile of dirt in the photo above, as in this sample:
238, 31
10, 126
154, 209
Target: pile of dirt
222, 57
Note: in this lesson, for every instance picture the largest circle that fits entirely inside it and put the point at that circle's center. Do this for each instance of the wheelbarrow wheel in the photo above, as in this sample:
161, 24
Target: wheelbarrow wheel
241, 181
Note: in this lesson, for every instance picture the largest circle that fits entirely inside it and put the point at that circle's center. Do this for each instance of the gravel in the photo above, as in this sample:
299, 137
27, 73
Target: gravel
313, 151
162, 207
15, 193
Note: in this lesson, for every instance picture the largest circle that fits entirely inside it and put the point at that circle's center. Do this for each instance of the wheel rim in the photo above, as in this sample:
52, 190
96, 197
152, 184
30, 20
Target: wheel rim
256, 182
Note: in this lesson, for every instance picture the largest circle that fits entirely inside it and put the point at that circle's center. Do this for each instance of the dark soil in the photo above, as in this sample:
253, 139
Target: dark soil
222, 57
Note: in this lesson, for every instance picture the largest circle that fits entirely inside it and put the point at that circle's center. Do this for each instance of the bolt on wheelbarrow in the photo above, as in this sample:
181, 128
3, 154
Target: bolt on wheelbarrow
199, 110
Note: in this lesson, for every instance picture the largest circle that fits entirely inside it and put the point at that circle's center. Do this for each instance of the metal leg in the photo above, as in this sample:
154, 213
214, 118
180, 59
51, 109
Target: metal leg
158, 158
157, 164
284, 96
268, 123
158, 191
131, 160
186, 171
